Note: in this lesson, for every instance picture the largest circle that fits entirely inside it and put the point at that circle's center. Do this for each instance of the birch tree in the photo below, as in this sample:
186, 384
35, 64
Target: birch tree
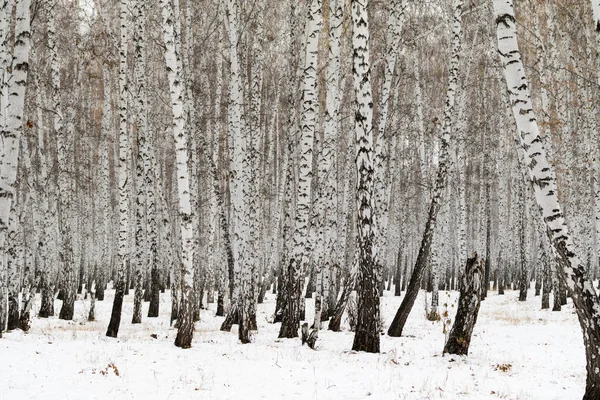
326, 205
366, 337
124, 149
180, 132
301, 250
541, 173
12, 126
65, 174
399, 321
143, 158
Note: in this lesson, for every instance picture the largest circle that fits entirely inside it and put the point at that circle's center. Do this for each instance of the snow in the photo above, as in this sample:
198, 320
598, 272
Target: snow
73, 360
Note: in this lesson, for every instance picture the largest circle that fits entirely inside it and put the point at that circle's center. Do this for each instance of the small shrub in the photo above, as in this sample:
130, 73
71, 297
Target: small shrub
502, 367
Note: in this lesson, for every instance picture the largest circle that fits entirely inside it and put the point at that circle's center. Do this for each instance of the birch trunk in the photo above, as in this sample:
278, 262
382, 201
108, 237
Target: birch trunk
301, 246
399, 321
186, 324
143, 157
394, 32
541, 173
367, 334
12, 128
123, 248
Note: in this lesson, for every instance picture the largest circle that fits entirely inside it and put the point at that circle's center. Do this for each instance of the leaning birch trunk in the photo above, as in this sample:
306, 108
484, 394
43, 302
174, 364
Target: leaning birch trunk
471, 291
186, 324
572, 272
367, 335
301, 251
399, 321
119, 283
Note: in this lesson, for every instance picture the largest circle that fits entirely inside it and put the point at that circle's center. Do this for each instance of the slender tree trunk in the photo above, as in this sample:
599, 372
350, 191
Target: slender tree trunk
11, 128
143, 157
180, 132
123, 251
523, 270
399, 321
547, 276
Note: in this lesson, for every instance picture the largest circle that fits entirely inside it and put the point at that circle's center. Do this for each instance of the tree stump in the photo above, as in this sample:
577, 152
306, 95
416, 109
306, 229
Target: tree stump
471, 290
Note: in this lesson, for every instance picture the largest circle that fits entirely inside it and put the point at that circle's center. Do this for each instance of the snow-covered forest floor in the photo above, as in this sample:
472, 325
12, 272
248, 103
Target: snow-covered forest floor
517, 352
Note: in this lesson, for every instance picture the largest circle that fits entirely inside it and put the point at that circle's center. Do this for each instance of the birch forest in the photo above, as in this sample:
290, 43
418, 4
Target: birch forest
329, 199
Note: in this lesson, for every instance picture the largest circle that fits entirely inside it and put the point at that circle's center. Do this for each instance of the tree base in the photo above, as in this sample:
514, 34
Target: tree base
231, 318
68, 308
471, 291
363, 341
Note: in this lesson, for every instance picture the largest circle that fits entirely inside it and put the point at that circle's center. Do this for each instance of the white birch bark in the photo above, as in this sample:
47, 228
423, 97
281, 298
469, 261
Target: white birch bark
397, 325
543, 180
65, 186
143, 157
105, 174
596, 150
176, 88
367, 334
11, 130
301, 245
123, 181
238, 162
394, 32
6, 11
326, 209
252, 175
46, 205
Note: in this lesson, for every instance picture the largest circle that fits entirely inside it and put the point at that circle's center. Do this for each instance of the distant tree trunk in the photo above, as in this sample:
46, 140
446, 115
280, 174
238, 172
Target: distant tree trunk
398, 274
572, 271
524, 270
547, 276
380, 189
327, 195
399, 321
471, 290
349, 287
47, 206
14, 274
65, 180
433, 314
488, 239
556, 305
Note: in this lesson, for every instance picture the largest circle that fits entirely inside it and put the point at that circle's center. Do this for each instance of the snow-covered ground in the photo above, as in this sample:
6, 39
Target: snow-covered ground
517, 352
